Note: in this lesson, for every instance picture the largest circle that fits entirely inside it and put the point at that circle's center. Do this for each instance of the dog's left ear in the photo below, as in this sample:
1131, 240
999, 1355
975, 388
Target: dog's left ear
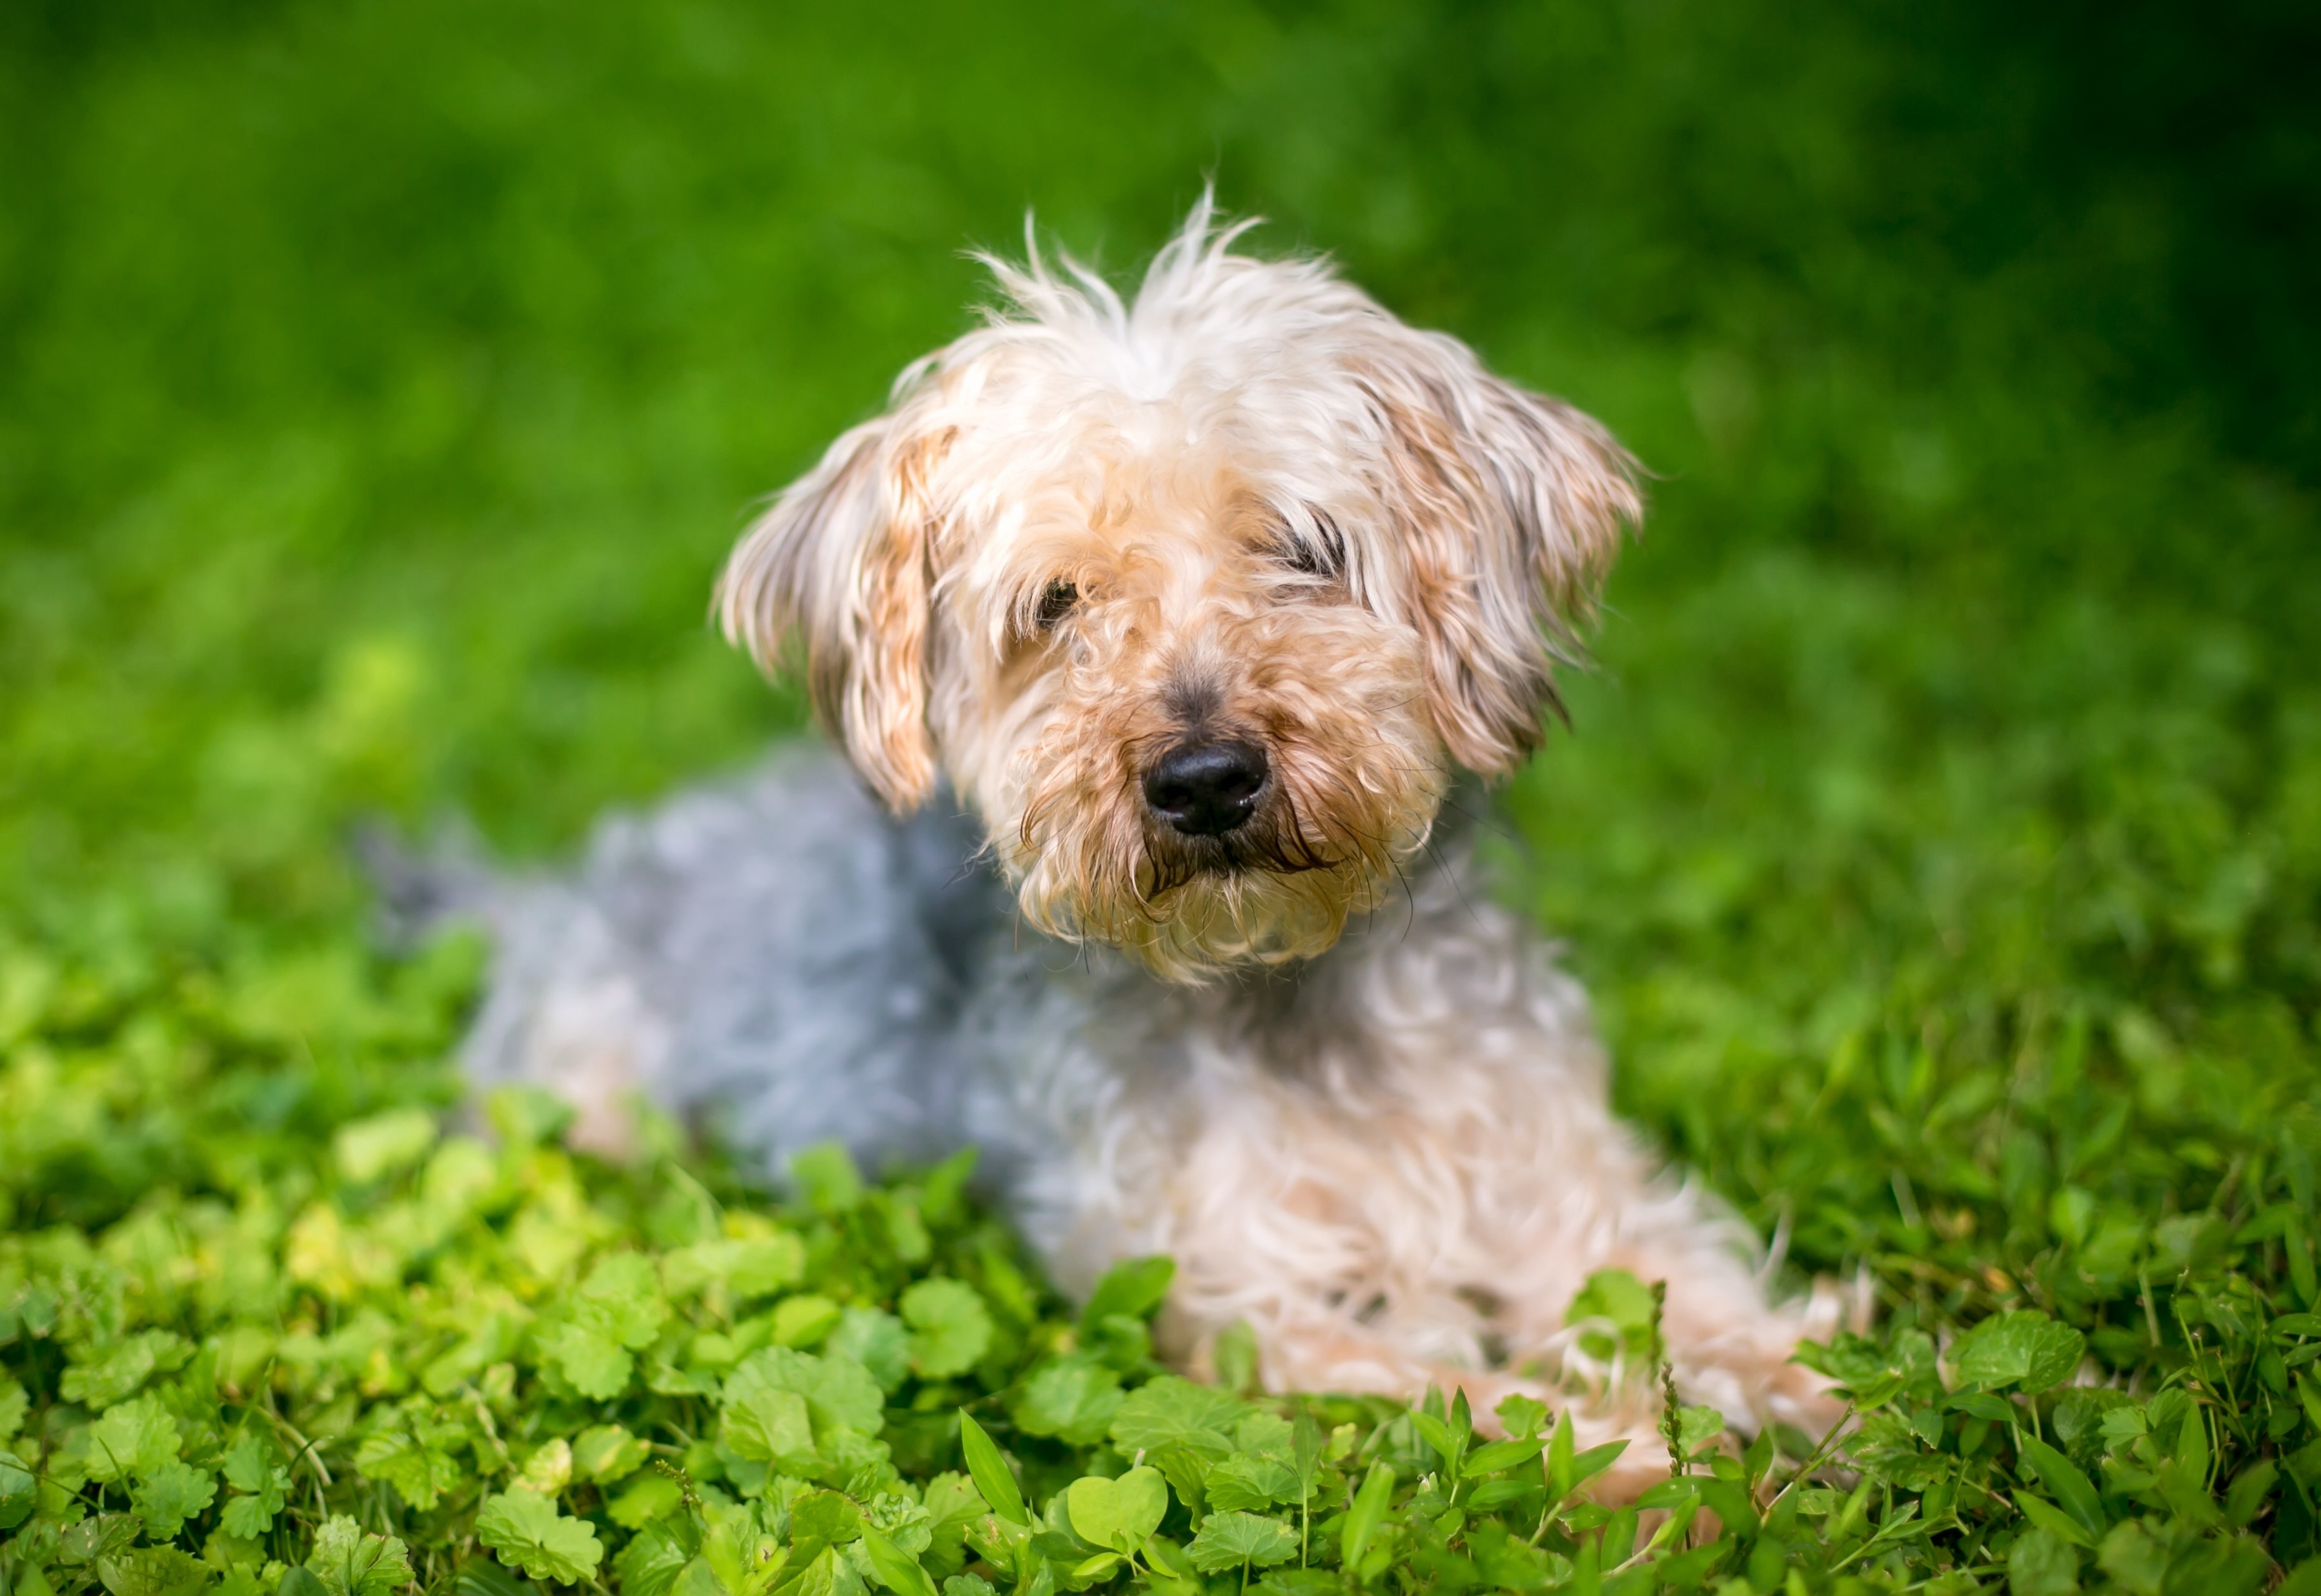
841, 563
1508, 507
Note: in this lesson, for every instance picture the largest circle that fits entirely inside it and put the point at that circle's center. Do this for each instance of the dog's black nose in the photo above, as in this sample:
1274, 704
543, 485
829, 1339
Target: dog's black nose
1205, 789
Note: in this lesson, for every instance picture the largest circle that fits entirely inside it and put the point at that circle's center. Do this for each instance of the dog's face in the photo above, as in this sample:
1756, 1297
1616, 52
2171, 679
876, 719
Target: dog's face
1198, 602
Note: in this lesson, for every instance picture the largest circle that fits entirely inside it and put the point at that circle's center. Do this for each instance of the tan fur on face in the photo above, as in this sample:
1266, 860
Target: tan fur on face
1290, 520
1325, 689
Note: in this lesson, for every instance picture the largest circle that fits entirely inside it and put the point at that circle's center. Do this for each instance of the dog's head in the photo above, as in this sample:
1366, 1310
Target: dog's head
1198, 599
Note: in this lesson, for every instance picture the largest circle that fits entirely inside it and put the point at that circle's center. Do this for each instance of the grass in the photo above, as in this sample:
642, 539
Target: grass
1939, 835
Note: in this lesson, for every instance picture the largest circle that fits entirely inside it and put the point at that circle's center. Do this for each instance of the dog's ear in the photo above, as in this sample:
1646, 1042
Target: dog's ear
840, 562
1507, 508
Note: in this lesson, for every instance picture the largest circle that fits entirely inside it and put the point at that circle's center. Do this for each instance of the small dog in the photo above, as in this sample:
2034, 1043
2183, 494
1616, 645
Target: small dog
1212, 608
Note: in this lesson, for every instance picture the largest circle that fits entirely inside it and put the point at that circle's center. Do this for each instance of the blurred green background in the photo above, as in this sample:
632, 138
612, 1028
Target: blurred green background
380, 384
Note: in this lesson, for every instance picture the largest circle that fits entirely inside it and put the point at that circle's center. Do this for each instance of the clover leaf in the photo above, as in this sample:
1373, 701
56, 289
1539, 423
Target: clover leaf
950, 1328
131, 1439
1229, 1540
1120, 1514
349, 1561
524, 1531
1175, 1411
2023, 1348
169, 1494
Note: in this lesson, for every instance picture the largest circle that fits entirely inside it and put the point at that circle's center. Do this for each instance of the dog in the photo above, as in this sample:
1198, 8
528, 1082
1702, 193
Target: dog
1169, 643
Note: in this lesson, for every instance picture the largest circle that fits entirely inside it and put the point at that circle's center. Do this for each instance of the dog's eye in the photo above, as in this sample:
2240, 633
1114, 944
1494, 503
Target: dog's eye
1309, 561
1057, 602
1321, 554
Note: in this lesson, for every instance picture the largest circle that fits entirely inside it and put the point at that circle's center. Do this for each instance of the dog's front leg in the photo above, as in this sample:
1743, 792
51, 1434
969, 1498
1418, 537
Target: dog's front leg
1300, 1351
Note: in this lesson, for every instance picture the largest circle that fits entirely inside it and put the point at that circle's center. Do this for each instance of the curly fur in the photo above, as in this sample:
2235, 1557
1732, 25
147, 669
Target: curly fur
1306, 1056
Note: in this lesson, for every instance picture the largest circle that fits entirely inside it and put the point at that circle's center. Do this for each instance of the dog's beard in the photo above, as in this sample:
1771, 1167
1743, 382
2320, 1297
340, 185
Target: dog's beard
1324, 848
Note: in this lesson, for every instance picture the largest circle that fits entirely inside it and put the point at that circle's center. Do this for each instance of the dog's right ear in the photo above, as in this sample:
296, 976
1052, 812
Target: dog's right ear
840, 562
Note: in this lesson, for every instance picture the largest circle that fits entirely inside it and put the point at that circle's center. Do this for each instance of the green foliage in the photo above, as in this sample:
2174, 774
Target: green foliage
525, 1531
357, 1360
1941, 840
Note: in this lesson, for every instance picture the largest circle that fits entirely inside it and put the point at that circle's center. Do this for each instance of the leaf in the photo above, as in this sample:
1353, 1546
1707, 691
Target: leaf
251, 1463
1561, 1464
839, 1392
1251, 1483
131, 1439
420, 1474
252, 1466
942, 1191
622, 1298
382, 1143
524, 1531
951, 1328
597, 1366
1174, 1411
1131, 1289
1697, 1425
2052, 1518
2192, 1443
102, 1375
2062, 1477
875, 1340
803, 1321
1121, 1514
825, 1174
19, 1491
749, 1268
771, 1426
351, 1561
549, 1469
652, 1561
650, 1498
1523, 1417
1234, 1353
248, 1517
91, 1538
1368, 1512
1500, 1455
168, 1495
2022, 1349
989, 1471
159, 1571
527, 1116
761, 1265
1617, 1299
908, 1524
2042, 1564
2248, 1492
1228, 1540
1731, 1502
828, 1515
829, 1575
2135, 1560
619, 1310
1438, 1436
895, 1569
1073, 1398
1593, 1462
607, 1453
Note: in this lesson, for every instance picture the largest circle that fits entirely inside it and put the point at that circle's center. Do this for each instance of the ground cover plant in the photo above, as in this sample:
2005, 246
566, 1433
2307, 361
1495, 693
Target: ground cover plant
1939, 835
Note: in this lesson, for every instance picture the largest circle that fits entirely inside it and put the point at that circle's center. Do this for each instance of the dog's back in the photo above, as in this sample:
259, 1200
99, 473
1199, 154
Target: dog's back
774, 954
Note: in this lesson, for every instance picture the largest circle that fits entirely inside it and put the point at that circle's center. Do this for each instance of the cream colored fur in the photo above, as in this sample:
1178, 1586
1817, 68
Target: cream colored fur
1306, 1057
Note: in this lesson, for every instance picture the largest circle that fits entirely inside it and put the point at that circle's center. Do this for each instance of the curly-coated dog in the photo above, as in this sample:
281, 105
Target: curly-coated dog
1167, 639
